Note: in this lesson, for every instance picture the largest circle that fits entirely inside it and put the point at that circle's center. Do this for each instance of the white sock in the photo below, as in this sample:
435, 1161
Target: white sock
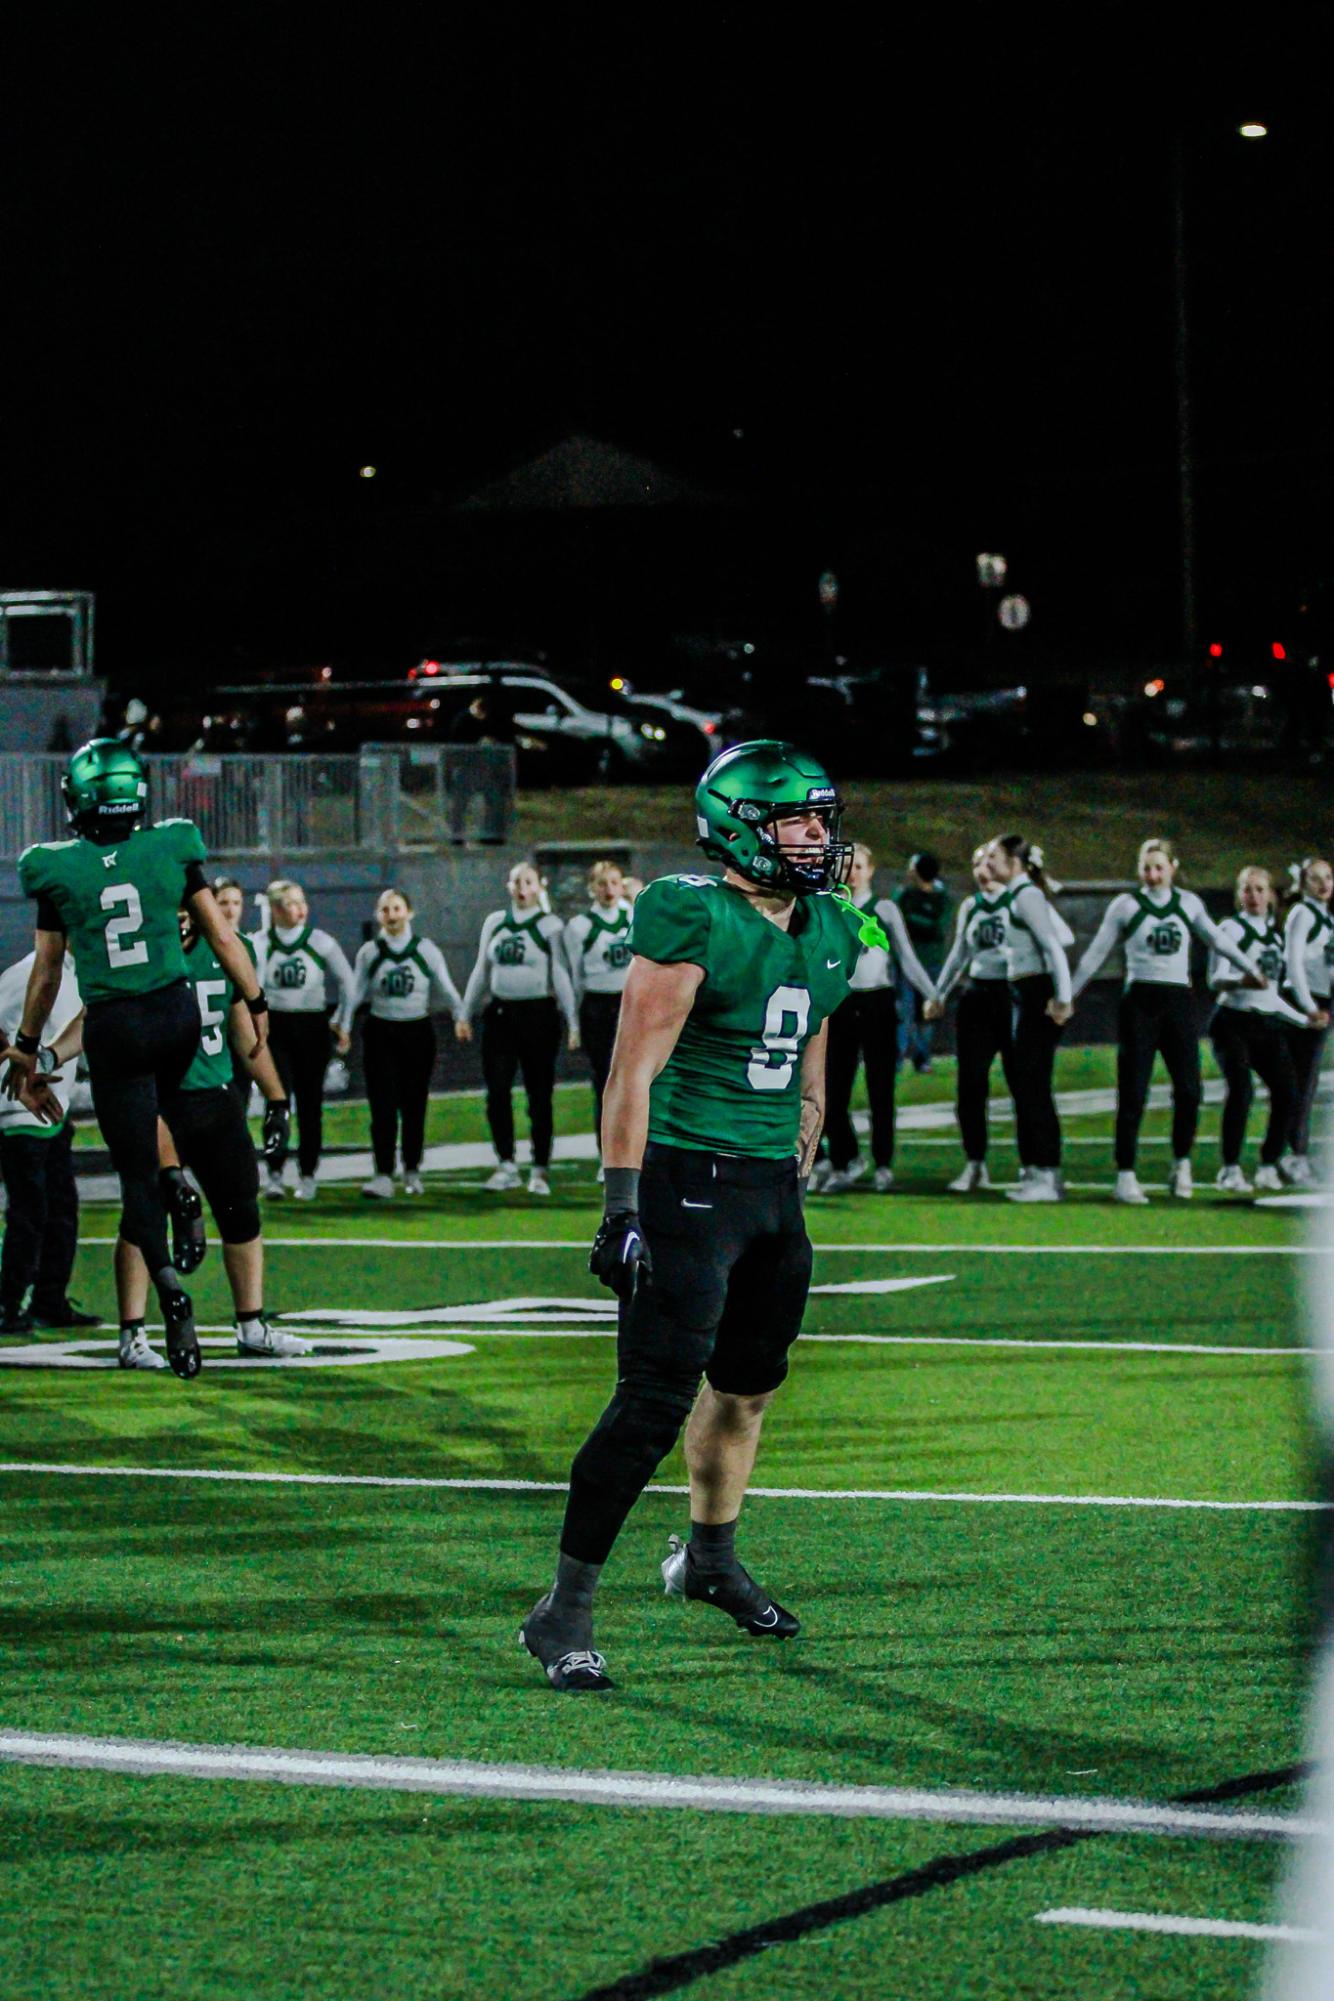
252, 1323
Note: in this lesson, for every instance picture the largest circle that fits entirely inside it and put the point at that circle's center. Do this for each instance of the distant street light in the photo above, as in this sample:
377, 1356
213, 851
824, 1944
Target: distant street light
366, 472
991, 571
1253, 131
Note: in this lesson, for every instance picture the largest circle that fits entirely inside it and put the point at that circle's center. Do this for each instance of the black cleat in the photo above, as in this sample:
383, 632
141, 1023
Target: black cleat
182, 1342
570, 1670
64, 1314
185, 1213
733, 1591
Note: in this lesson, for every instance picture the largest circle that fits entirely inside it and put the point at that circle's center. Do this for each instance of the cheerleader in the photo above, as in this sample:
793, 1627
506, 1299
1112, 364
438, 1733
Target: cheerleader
984, 1027
865, 1028
306, 977
1154, 926
405, 979
598, 954
1308, 957
521, 982
1039, 975
230, 899
1248, 1036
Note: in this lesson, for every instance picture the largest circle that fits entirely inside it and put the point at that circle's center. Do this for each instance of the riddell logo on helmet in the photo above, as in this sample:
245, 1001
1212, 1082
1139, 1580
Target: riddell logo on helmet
818, 795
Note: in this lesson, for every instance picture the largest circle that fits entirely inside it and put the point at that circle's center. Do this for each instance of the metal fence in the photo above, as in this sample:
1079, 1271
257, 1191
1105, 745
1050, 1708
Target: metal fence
389, 796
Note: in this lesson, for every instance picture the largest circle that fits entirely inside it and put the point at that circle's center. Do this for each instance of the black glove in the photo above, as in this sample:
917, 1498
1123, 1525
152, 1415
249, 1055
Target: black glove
619, 1256
277, 1122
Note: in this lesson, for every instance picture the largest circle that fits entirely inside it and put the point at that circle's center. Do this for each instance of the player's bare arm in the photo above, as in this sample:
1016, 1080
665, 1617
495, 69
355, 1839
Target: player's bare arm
235, 962
43, 987
812, 1099
655, 1005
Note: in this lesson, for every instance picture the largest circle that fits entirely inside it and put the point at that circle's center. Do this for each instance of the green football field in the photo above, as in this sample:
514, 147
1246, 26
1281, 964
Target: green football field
1032, 1487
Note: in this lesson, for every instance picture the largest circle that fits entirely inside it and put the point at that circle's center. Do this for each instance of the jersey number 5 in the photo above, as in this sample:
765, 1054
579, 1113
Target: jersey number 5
120, 928
786, 1013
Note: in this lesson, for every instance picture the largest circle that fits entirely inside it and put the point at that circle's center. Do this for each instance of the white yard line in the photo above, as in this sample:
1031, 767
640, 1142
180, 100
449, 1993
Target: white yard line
478, 1484
1153, 1921
462, 1778
881, 1249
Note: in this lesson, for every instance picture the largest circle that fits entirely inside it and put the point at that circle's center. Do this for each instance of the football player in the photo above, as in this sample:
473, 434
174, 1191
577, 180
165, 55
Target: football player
113, 892
711, 1119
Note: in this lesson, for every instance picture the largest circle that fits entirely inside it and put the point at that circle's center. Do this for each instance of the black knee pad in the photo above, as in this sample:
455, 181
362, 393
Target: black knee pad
238, 1222
637, 1430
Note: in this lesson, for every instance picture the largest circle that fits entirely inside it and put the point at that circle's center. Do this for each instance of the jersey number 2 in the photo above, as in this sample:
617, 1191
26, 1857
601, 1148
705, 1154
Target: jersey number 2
120, 928
786, 1013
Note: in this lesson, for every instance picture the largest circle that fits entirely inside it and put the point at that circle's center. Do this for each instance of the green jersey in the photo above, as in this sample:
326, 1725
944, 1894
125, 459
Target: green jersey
117, 905
215, 991
732, 1084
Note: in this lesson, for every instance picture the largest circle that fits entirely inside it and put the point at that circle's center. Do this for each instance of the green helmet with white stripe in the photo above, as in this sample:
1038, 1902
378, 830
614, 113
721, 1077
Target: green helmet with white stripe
741, 798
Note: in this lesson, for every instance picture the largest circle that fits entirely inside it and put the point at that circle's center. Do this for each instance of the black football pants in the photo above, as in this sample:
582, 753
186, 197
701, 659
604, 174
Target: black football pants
731, 1270
1033, 1060
1152, 1018
864, 1028
520, 1036
984, 1030
399, 1057
1246, 1041
41, 1219
138, 1049
299, 1043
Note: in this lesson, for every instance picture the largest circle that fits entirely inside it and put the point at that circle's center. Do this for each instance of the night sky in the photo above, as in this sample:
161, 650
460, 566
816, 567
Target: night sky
928, 283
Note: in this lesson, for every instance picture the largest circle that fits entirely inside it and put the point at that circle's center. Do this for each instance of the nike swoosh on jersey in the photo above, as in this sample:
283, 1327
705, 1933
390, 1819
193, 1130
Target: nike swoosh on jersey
830, 964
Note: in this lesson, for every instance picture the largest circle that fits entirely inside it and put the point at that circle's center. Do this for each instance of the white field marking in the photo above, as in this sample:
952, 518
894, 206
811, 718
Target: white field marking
1309, 1198
473, 1484
465, 1778
1095, 1347
1152, 1921
542, 1312
105, 1354
881, 1249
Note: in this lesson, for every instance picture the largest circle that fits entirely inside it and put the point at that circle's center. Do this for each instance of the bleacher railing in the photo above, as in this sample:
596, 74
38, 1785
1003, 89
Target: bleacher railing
387, 797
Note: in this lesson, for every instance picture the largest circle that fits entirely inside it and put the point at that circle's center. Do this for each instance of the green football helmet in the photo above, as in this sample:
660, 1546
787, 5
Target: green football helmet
742, 796
105, 786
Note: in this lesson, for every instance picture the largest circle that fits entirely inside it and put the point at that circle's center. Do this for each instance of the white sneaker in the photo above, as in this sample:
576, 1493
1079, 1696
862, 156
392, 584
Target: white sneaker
1128, 1189
1041, 1186
537, 1181
274, 1186
839, 1180
1268, 1178
1296, 1168
1232, 1181
379, 1188
974, 1176
819, 1178
412, 1184
601, 1174
137, 1354
883, 1180
505, 1176
266, 1340
306, 1189
1181, 1182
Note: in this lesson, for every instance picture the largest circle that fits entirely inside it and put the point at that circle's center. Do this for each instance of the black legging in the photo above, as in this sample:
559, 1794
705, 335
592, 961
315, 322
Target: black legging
865, 1027
41, 1220
598, 1016
1033, 1060
1306, 1046
300, 1045
984, 1030
1246, 1041
1152, 1018
138, 1049
520, 1035
399, 1058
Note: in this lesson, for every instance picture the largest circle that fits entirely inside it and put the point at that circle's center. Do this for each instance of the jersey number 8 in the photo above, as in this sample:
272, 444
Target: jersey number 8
120, 954
786, 1014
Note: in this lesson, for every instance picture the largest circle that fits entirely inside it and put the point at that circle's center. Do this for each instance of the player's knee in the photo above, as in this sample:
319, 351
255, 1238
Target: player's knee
738, 1410
238, 1222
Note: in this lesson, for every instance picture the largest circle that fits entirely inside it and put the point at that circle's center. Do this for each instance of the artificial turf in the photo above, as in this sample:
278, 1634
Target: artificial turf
1096, 1650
